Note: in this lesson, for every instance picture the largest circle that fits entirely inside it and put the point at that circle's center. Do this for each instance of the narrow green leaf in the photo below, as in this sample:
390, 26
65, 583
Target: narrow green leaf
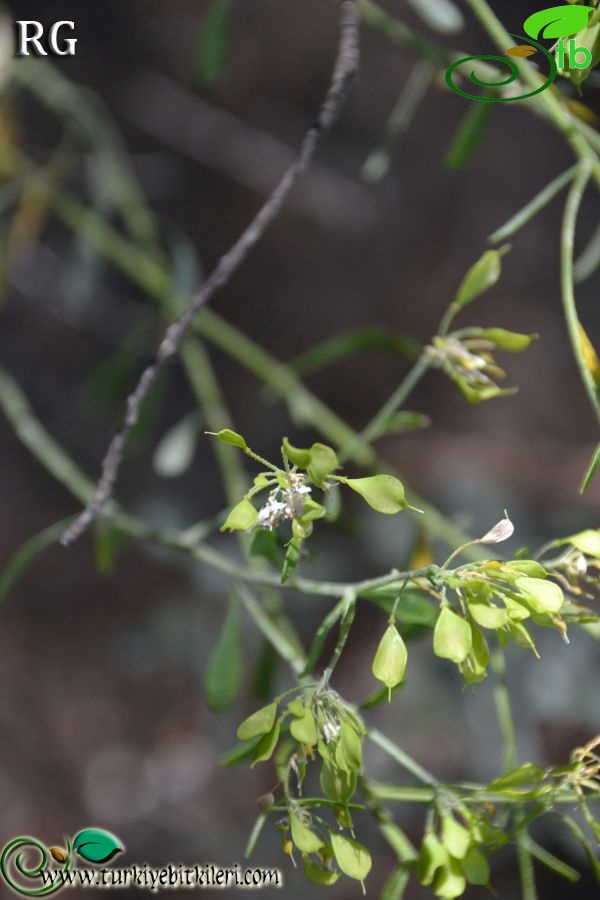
592, 469
347, 343
469, 135
224, 672
239, 753
526, 776
27, 553
213, 46
107, 542
260, 722
263, 678
402, 422
396, 885
292, 559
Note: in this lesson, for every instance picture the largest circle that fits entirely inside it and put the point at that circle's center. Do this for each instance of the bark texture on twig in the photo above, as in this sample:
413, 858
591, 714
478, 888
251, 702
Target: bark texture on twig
345, 69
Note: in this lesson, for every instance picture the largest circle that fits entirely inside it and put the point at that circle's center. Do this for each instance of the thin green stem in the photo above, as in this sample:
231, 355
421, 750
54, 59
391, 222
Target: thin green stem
285, 645
526, 869
39, 442
208, 393
278, 630
535, 205
503, 711
346, 624
468, 793
510, 759
551, 861
400, 755
400, 842
376, 426
304, 407
567, 245
320, 637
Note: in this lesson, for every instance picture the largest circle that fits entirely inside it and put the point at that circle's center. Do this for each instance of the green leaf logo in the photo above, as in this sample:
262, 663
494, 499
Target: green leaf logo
557, 22
96, 846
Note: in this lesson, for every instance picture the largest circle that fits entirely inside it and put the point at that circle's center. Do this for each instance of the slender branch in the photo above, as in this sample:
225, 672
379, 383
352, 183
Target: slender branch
345, 626
503, 711
267, 615
374, 428
410, 764
302, 404
531, 209
567, 243
345, 69
39, 442
510, 759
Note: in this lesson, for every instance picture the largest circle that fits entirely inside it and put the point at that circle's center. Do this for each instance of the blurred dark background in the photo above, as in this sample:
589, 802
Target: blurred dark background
102, 711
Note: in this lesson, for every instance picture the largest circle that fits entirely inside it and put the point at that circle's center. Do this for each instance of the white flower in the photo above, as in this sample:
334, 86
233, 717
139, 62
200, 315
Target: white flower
284, 503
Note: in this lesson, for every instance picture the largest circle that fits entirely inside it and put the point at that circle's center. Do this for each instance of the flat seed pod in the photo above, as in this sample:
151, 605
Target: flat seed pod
260, 722
452, 637
305, 840
389, 662
353, 859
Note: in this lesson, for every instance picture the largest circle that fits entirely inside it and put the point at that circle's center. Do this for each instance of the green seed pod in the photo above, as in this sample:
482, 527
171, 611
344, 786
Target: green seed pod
389, 662
452, 637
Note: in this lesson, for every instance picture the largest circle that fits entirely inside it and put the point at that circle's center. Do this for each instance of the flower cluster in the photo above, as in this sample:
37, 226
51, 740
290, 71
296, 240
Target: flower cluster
287, 502
290, 493
315, 728
467, 358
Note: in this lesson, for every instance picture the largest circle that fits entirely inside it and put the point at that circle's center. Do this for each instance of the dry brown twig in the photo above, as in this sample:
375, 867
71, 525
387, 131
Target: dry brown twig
345, 70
